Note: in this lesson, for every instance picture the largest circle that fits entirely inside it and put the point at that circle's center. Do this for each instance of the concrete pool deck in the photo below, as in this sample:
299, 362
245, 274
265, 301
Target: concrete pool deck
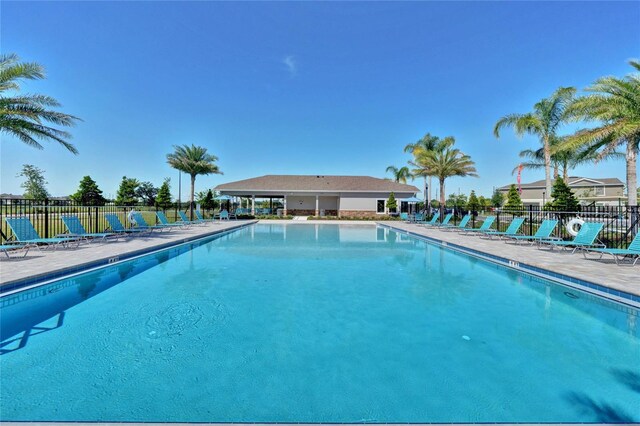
40, 263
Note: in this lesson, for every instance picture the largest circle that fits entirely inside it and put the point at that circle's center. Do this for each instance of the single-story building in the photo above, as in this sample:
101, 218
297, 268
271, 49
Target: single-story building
598, 191
318, 195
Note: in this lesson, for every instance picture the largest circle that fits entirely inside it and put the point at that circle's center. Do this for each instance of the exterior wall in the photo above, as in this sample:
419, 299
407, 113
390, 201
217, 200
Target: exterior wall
585, 193
366, 202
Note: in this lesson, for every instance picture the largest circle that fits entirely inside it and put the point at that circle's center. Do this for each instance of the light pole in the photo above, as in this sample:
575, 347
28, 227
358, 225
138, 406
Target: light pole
428, 201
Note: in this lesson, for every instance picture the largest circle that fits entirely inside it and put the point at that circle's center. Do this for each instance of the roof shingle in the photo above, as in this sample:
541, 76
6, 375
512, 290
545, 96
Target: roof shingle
319, 183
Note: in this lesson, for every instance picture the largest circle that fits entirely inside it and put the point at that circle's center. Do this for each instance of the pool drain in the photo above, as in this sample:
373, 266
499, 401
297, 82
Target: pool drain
570, 295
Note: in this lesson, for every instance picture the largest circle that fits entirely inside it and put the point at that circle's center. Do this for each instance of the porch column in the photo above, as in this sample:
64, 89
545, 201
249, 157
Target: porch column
253, 204
317, 205
284, 210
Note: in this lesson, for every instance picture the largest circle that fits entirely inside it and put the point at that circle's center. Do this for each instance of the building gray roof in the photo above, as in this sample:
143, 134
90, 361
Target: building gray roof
573, 181
316, 183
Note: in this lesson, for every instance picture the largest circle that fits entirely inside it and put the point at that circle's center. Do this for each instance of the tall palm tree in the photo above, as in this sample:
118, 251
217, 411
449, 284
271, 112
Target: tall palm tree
544, 121
444, 164
563, 159
428, 142
615, 103
193, 160
399, 174
22, 116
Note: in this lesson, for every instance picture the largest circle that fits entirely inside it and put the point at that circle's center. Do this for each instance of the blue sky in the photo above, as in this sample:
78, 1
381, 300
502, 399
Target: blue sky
301, 87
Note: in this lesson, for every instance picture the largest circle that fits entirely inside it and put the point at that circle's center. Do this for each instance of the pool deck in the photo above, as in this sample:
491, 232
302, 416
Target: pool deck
44, 263
604, 272
41, 263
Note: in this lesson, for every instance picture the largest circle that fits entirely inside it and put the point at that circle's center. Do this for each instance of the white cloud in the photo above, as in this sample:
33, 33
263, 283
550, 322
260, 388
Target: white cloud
291, 64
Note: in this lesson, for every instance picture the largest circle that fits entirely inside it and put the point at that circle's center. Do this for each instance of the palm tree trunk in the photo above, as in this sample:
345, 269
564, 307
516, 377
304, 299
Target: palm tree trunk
193, 186
429, 193
556, 172
547, 165
442, 198
565, 171
632, 176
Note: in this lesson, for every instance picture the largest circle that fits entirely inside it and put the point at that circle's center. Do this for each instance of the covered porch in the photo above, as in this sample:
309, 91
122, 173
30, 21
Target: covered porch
283, 204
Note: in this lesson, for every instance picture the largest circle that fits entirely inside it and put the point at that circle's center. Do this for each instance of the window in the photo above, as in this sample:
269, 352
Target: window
380, 206
598, 190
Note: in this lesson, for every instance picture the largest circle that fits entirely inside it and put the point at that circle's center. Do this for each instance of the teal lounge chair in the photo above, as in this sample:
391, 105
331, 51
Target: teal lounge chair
185, 220
445, 221
632, 252
585, 239
142, 224
14, 248
543, 233
76, 229
202, 219
224, 215
165, 222
511, 230
433, 220
116, 226
404, 217
486, 226
24, 232
461, 225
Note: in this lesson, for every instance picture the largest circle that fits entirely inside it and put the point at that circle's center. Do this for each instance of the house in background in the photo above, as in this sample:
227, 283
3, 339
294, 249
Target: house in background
318, 195
596, 191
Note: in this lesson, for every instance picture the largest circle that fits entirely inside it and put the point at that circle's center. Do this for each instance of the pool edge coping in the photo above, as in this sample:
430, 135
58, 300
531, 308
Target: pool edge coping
596, 289
32, 281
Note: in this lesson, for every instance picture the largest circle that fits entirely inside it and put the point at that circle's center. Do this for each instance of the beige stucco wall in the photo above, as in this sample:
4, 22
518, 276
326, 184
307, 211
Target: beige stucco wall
367, 201
578, 191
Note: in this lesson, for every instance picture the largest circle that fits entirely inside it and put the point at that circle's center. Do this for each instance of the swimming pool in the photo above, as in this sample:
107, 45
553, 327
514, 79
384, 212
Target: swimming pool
316, 323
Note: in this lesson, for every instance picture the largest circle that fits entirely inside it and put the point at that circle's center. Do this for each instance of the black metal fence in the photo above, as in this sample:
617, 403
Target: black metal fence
45, 215
620, 222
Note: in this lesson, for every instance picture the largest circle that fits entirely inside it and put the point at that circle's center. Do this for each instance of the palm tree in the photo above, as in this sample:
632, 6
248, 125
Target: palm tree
563, 160
193, 160
444, 164
615, 103
428, 143
547, 116
22, 116
399, 174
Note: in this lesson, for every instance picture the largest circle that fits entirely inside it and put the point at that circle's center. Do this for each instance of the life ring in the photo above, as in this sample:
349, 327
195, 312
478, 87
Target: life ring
130, 217
571, 226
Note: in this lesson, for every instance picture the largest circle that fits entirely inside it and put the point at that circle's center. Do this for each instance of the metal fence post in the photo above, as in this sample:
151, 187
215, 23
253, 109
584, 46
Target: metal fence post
530, 219
46, 218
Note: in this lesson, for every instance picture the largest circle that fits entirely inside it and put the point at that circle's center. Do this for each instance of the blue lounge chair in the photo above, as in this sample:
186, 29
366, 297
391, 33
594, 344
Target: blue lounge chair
24, 232
141, 223
185, 220
486, 226
445, 221
543, 233
76, 229
632, 252
433, 220
14, 248
585, 239
404, 217
116, 226
511, 230
460, 226
165, 222
202, 219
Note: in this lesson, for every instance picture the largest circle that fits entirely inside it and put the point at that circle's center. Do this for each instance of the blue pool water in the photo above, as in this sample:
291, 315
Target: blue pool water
316, 323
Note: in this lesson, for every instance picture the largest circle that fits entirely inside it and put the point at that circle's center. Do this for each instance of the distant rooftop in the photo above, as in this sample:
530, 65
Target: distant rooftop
573, 181
318, 183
